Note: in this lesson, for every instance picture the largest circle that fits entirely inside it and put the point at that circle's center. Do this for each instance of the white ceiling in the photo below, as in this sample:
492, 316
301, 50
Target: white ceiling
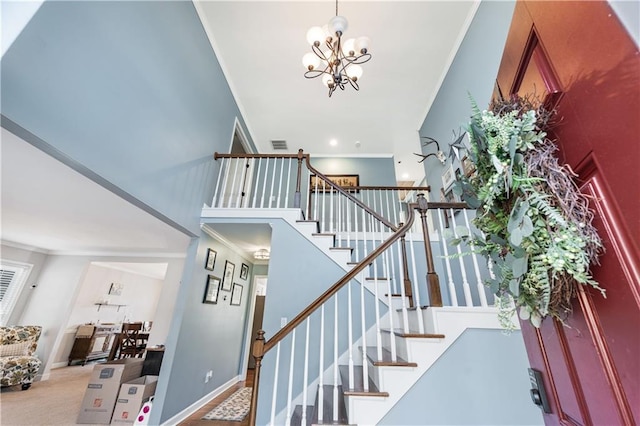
47, 205
260, 45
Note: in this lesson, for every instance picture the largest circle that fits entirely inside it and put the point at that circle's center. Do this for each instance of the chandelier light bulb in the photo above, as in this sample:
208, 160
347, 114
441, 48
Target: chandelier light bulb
311, 61
362, 43
349, 47
354, 72
338, 25
315, 34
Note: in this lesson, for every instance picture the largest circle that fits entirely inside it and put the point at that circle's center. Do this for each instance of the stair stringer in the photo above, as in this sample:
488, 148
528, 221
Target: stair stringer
450, 321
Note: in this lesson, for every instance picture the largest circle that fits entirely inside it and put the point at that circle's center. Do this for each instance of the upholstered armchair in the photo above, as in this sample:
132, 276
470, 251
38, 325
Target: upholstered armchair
18, 364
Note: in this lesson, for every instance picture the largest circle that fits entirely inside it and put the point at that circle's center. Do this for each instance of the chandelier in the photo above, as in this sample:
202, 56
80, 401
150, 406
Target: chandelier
336, 62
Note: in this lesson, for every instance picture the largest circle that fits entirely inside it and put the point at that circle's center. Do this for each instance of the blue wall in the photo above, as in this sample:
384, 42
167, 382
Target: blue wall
128, 93
473, 72
373, 171
210, 336
480, 380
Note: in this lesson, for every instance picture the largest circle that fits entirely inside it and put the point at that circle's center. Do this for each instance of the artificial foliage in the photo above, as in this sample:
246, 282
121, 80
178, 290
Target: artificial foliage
534, 223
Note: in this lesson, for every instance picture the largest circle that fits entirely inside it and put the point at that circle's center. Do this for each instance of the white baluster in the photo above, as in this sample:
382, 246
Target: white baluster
286, 199
392, 336
305, 380
405, 314
279, 196
476, 267
233, 183
273, 181
315, 205
257, 180
365, 366
447, 261
290, 388
350, 331
264, 183
274, 392
335, 359
465, 284
331, 226
215, 194
321, 372
377, 311
416, 289
221, 202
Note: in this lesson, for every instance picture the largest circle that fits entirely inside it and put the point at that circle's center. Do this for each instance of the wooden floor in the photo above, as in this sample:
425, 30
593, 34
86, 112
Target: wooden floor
196, 418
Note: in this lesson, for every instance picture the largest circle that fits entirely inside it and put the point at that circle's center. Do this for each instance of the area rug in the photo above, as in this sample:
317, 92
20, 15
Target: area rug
235, 408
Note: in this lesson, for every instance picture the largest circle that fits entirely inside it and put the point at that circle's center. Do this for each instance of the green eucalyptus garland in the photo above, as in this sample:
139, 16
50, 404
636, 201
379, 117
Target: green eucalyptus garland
534, 223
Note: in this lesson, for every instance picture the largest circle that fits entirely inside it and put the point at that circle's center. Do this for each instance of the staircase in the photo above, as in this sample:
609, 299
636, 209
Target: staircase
352, 354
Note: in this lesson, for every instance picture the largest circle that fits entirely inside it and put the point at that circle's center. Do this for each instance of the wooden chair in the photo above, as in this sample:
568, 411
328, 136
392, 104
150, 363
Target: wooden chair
131, 343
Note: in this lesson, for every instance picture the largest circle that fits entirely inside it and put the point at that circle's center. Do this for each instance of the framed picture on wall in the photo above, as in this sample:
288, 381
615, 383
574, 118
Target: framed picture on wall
211, 259
211, 290
448, 177
347, 182
236, 295
116, 289
227, 279
244, 271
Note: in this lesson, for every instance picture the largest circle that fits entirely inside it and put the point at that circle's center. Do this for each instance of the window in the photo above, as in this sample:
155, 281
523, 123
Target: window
13, 275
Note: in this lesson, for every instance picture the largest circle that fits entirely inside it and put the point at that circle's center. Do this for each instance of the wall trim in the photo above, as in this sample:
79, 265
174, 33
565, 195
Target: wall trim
214, 234
24, 247
382, 155
182, 415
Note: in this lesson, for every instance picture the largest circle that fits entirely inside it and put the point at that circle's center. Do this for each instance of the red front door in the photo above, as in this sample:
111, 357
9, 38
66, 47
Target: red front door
578, 55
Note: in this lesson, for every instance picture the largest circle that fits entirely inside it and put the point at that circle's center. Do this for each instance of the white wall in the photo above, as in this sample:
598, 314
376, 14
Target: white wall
140, 294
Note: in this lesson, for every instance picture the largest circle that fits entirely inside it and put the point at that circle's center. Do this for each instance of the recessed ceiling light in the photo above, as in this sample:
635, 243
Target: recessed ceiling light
333, 142
405, 176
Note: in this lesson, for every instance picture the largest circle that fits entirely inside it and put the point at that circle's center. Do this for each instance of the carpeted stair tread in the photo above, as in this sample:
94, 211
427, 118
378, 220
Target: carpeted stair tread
357, 388
349, 249
377, 279
401, 333
423, 308
372, 355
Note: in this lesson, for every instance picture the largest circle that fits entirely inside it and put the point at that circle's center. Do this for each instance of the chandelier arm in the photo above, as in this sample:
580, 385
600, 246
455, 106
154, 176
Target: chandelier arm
357, 60
354, 84
316, 73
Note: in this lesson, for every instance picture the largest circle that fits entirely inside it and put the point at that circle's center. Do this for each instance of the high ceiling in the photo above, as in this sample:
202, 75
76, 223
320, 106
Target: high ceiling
260, 45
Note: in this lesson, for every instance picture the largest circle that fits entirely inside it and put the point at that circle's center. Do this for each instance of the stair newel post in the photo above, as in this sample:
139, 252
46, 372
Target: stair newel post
258, 353
296, 199
408, 292
433, 283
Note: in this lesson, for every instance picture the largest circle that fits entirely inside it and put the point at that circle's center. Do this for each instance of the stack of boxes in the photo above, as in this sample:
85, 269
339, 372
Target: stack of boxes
116, 392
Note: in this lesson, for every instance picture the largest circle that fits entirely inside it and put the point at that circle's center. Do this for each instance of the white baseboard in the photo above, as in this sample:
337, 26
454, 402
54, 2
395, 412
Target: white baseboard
59, 365
184, 414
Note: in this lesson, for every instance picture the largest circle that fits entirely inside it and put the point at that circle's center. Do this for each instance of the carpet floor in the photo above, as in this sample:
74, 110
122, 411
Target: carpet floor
51, 402
234, 408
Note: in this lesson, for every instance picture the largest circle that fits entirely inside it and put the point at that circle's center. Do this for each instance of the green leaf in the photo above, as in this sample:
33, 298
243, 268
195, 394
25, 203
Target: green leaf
516, 237
514, 287
512, 147
462, 231
526, 226
520, 267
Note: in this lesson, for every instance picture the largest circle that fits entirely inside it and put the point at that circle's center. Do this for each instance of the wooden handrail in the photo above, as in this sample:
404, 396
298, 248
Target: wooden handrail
342, 282
349, 196
218, 155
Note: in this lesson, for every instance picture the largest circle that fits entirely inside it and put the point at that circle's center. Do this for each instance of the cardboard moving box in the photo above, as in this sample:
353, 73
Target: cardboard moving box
104, 385
131, 397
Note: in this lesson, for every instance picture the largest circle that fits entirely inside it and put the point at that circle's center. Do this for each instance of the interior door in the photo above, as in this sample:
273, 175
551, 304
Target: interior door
580, 58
